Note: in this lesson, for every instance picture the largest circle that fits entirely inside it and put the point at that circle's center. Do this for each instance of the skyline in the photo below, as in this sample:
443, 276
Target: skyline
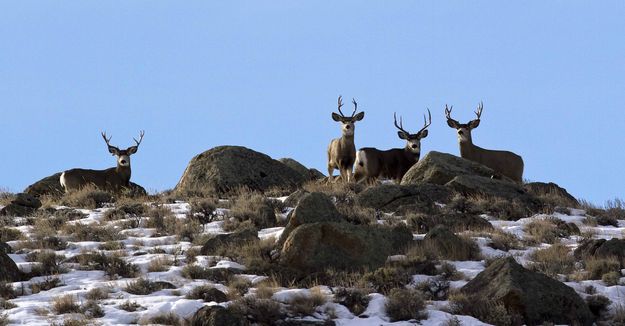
199, 75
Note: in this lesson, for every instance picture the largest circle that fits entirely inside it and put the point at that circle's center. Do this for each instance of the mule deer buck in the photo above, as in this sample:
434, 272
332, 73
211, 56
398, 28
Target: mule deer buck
113, 179
503, 162
372, 163
342, 151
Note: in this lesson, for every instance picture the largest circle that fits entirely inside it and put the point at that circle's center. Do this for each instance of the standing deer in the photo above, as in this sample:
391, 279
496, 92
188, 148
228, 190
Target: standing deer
113, 179
342, 151
503, 162
372, 163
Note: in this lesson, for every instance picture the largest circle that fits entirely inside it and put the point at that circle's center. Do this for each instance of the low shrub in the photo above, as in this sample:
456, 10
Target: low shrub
65, 304
88, 197
259, 311
597, 267
598, 304
405, 304
384, 279
306, 304
144, 286
492, 312
554, 260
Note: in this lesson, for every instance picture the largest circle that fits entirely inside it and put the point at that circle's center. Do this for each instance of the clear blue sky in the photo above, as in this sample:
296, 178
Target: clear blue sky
266, 74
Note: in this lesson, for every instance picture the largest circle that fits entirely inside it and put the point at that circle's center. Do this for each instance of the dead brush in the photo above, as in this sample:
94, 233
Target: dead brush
88, 197
160, 264
499, 208
355, 299
307, 304
258, 311
253, 207
9, 234
203, 210
47, 284
544, 231
553, 261
597, 267
50, 263
489, 311
65, 304
341, 192
405, 304
97, 232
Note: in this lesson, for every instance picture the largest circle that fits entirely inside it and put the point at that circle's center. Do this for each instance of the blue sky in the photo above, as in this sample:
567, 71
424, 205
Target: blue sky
198, 74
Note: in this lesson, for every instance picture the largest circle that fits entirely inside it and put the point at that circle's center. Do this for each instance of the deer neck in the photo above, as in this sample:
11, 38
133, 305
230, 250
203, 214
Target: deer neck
124, 173
467, 149
410, 156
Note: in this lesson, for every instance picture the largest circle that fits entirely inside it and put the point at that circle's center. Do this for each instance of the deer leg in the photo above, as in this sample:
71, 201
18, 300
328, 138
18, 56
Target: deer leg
330, 172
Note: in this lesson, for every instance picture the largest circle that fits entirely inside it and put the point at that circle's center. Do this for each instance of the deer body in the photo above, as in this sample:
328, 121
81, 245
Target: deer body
372, 163
113, 179
503, 162
342, 151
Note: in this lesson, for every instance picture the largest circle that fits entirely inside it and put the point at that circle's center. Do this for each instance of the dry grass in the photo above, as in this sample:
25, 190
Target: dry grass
355, 299
483, 309
49, 262
10, 234
307, 304
238, 287
466, 249
499, 208
259, 311
143, 286
405, 304
553, 261
162, 319
252, 207
47, 284
597, 267
160, 264
92, 232
88, 197
130, 306
65, 304
97, 294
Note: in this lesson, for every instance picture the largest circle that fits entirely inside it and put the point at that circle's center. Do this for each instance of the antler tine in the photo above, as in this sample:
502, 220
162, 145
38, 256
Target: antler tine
105, 139
448, 111
426, 123
480, 107
141, 133
401, 123
340, 104
355, 106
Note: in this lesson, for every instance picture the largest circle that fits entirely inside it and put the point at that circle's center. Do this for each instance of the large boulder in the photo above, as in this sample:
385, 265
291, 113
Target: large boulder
23, 205
552, 190
216, 316
312, 208
220, 240
343, 246
51, 186
308, 174
478, 185
440, 168
226, 168
536, 297
392, 197
8, 269
601, 248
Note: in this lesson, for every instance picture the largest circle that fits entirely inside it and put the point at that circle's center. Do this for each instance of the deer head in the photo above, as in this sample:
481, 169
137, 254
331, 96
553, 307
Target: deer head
123, 156
464, 130
347, 122
413, 140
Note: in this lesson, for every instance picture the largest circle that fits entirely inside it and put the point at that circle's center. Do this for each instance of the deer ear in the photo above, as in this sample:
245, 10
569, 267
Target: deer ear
131, 150
452, 123
336, 117
423, 134
474, 123
403, 135
359, 116
113, 150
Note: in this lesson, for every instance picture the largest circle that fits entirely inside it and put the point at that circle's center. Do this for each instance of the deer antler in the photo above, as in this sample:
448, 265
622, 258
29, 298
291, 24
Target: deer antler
141, 133
355, 106
480, 107
107, 140
448, 111
340, 104
401, 123
425, 121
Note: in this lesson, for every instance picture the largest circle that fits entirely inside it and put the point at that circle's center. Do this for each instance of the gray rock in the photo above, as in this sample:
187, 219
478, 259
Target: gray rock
216, 316
536, 297
219, 240
478, 185
342, 246
551, 189
308, 174
458, 222
601, 248
392, 197
312, 208
440, 168
23, 205
8, 269
226, 168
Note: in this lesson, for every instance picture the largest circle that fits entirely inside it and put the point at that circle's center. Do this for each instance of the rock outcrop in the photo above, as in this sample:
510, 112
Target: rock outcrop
226, 168
536, 297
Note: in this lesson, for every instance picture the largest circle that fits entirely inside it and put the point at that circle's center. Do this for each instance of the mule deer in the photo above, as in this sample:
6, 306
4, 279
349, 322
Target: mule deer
113, 179
372, 163
342, 151
503, 162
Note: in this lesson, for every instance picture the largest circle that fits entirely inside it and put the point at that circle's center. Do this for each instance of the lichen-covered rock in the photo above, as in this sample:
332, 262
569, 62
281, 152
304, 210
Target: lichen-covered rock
216, 316
551, 189
536, 297
226, 168
308, 174
342, 246
392, 197
440, 168
312, 208
8, 269
220, 240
